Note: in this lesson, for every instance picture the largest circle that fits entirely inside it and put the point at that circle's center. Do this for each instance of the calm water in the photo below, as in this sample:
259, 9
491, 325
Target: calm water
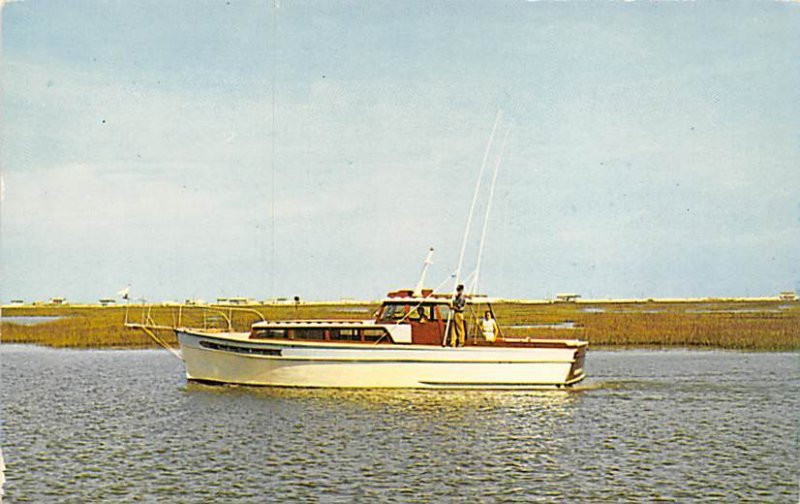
26, 320
91, 426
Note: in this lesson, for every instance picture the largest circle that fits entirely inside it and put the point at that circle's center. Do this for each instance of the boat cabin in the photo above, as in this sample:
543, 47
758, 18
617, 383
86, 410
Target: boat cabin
404, 317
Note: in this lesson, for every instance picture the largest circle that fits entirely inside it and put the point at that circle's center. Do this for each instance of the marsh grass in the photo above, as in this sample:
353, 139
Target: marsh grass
94, 326
744, 325
733, 325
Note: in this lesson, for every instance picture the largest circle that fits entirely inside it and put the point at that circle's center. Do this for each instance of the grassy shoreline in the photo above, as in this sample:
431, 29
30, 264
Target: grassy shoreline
739, 325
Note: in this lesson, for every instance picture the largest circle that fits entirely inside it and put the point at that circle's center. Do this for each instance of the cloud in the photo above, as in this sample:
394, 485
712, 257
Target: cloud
90, 200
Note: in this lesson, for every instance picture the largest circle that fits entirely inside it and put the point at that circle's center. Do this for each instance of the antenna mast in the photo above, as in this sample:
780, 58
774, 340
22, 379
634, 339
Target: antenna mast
421, 283
274, 49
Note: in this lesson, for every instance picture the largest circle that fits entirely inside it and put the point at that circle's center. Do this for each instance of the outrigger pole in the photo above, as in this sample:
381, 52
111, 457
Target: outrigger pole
475, 199
457, 274
488, 209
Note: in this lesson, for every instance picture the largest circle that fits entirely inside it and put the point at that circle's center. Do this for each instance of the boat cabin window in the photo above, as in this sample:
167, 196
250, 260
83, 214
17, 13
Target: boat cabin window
415, 311
308, 334
271, 333
419, 313
373, 334
345, 335
393, 312
320, 334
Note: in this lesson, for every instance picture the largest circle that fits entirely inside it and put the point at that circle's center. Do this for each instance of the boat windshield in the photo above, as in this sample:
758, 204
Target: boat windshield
394, 312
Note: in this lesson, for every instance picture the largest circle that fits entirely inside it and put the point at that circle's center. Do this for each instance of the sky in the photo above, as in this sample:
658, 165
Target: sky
204, 149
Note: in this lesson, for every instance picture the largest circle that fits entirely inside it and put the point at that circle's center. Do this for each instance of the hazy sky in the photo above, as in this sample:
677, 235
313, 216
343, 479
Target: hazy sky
655, 147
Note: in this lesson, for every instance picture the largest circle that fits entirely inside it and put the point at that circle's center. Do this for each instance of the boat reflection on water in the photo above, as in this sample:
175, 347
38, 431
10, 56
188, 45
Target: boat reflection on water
441, 405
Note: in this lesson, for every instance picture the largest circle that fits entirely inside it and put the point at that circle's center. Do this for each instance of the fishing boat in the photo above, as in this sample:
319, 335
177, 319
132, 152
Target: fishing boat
403, 346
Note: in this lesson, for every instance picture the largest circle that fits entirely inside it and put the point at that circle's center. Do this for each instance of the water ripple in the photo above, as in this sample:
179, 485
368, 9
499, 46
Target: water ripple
92, 426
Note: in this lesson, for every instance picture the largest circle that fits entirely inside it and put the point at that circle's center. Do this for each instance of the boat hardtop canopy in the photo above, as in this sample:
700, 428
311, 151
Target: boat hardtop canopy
313, 323
429, 297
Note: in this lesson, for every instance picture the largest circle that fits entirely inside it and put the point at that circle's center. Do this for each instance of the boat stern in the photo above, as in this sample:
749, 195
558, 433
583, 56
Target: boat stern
576, 371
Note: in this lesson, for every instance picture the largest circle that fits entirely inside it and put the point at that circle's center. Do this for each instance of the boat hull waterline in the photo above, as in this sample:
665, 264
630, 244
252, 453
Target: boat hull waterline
233, 358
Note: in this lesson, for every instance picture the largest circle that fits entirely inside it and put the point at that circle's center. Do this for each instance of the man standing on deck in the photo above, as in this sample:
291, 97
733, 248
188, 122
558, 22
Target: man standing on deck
459, 333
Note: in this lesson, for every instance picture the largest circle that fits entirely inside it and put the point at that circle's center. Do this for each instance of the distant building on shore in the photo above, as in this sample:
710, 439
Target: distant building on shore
787, 296
107, 301
58, 301
278, 301
235, 301
567, 298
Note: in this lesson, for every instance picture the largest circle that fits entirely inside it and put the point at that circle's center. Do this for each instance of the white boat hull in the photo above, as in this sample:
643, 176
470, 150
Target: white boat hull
234, 358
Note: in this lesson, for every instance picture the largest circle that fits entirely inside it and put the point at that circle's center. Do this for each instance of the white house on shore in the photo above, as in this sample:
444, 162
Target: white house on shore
236, 301
788, 296
567, 298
